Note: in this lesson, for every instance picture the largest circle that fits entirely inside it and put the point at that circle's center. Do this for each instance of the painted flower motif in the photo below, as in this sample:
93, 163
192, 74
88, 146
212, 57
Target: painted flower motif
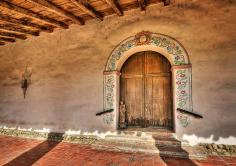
183, 92
169, 49
179, 116
108, 119
177, 58
178, 82
129, 45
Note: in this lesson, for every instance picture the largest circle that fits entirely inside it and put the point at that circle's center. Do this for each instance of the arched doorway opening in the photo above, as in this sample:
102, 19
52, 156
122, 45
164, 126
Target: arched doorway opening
146, 91
181, 72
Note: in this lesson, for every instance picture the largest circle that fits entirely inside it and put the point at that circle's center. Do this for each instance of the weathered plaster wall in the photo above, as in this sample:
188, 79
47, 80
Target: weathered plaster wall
68, 65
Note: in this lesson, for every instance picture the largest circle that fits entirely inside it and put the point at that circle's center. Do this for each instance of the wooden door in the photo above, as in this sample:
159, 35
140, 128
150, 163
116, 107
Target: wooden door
146, 90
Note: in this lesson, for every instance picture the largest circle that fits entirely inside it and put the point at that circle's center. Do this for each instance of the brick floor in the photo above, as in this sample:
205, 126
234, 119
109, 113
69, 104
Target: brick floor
26, 152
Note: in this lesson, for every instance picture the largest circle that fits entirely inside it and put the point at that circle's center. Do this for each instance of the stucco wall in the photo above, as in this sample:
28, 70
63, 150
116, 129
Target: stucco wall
67, 80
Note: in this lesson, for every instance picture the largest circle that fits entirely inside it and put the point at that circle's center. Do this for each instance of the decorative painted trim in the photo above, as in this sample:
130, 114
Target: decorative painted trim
80, 139
183, 94
181, 66
170, 46
112, 72
148, 41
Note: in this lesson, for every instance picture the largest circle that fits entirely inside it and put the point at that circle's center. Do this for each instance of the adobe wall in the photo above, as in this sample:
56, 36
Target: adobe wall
67, 80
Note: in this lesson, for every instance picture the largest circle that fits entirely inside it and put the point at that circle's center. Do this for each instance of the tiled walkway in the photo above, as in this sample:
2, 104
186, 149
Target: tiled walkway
26, 152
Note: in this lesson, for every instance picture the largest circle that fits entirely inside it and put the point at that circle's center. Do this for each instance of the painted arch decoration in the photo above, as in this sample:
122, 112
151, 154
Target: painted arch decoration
181, 73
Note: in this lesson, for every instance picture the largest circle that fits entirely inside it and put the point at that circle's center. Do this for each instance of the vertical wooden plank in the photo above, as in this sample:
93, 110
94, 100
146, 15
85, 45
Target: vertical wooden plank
132, 82
146, 90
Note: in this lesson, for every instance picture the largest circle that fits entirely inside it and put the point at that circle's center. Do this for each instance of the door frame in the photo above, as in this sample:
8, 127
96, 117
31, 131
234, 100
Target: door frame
181, 69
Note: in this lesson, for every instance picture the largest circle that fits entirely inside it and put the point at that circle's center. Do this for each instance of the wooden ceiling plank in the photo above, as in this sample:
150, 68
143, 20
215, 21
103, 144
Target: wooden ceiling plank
142, 4
26, 23
10, 27
13, 35
7, 39
87, 8
58, 10
32, 14
115, 7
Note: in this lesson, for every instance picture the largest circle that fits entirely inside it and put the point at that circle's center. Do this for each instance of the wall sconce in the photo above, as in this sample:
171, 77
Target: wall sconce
26, 80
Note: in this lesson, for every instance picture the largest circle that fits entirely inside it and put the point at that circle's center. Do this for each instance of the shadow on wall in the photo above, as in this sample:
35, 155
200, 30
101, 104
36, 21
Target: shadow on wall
29, 157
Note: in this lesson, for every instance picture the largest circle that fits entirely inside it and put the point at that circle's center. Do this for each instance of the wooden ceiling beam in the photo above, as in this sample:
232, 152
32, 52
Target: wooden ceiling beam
7, 39
87, 8
166, 2
142, 4
25, 23
13, 35
58, 10
10, 27
2, 43
114, 5
32, 14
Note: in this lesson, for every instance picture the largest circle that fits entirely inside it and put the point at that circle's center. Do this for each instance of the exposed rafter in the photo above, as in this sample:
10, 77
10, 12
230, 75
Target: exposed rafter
142, 4
115, 7
32, 14
10, 27
14, 35
7, 39
56, 9
2, 43
25, 23
166, 2
87, 9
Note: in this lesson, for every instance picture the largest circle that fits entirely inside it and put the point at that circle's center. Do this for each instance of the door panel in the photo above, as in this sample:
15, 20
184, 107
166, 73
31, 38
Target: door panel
158, 101
156, 63
146, 90
134, 101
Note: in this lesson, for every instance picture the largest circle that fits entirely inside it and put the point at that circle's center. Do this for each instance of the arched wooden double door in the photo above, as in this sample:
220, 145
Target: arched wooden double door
146, 90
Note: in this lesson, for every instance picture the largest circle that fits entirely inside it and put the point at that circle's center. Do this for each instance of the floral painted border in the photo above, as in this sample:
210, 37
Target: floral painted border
171, 46
182, 95
109, 98
109, 88
179, 60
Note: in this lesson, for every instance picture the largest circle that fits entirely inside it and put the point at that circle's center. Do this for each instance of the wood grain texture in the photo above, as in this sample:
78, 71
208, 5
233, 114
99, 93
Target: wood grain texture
114, 5
13, 35
57, 9
7, 39
32, 14
146, 90
30, 17
10, 27
87, 8
25, 23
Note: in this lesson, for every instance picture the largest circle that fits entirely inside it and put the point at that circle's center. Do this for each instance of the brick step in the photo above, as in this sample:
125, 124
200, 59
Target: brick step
157, 133
162, 143
165, 151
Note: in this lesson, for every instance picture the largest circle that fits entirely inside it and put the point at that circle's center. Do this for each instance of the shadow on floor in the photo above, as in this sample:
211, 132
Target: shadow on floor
31, 156
171, 152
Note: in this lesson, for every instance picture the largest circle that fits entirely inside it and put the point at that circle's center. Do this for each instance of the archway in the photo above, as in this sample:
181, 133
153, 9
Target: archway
180, 67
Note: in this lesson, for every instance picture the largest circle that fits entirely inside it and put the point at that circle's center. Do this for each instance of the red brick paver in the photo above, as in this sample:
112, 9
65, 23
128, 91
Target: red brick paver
26, 152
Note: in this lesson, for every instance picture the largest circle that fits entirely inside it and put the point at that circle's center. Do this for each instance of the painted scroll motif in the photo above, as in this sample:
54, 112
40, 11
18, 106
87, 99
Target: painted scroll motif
162, 41
182, 95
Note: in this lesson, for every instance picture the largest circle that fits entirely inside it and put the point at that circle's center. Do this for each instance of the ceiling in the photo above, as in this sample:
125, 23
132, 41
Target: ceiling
22, 18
